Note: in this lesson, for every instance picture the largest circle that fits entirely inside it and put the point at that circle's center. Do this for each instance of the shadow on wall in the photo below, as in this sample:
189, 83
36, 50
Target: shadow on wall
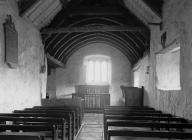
146, 98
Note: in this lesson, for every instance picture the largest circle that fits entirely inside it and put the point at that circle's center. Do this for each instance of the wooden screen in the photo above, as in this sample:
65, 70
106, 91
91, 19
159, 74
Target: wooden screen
95, 96
91, 89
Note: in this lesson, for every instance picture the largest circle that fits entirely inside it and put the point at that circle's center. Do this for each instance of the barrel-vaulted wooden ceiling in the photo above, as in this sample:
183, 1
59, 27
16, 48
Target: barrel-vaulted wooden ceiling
78, 23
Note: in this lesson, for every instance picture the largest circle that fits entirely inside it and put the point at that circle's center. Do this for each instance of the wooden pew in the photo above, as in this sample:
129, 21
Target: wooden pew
152, 125
120, 118
144, 118
77, 102
22, 136
51, 129
150, 134
140, 117
119, 108
130, 111
59, 122
72, 112
79, 110
115, 132
65, 116
137, 113
130, 107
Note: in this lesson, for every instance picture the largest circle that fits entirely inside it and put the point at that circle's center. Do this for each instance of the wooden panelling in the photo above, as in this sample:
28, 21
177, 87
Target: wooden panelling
95, 96
91, 89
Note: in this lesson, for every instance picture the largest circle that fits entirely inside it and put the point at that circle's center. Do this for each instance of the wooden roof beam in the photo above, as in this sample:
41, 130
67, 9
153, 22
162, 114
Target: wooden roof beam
95, 11
54, 62
94, 29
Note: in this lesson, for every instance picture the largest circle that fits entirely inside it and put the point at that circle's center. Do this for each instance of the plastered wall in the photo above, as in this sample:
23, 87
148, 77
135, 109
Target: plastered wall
74, 73
141, 76
23, 86
177, 22
51, 83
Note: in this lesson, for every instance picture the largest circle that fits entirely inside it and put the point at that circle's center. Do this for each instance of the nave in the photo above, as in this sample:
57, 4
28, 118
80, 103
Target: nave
71, 122
95, 69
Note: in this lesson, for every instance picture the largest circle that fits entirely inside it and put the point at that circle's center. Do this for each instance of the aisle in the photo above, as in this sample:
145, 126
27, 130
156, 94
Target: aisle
92, 128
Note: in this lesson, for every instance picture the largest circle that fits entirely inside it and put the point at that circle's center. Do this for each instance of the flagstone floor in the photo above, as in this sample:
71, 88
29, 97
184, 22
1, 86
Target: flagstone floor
92, 128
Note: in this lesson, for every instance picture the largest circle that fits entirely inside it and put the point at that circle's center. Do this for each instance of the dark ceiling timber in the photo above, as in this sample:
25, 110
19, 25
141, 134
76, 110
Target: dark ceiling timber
84, 22
54, 63
95, 40
94, 29
64, 44
111, 38
93, 11
100, 35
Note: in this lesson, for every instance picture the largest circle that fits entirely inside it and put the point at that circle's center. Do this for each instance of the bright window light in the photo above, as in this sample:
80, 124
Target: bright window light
98, 70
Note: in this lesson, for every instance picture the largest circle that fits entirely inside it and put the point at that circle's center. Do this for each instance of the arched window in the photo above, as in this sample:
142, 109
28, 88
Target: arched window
98, 70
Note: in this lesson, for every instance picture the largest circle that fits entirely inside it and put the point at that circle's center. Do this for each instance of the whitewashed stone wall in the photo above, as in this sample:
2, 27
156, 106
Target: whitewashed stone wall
21, 87
177, 22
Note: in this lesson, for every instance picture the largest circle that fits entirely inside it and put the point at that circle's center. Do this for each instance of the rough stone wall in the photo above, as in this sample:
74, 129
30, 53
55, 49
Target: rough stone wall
74, 73
23, 86
177, 22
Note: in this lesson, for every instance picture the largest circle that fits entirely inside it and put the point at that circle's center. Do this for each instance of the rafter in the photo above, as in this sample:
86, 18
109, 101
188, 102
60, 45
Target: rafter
94, 29
54, 62
94, 11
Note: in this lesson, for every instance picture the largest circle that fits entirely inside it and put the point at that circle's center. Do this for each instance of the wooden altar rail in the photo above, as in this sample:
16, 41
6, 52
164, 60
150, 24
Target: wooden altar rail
95, 96
94, 101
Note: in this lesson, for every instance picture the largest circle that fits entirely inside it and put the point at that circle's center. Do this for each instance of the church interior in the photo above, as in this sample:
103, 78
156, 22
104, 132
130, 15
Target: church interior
95, 69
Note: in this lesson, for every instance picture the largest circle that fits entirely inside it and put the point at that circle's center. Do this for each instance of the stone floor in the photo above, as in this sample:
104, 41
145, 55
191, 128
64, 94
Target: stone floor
92, 128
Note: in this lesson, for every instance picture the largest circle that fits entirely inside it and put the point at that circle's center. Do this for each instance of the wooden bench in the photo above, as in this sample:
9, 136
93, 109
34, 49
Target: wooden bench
116, 118
48, 130
77, 102
139, 117
65, 116
78, 112
164, 126
54, 112
150, 134
131, 107
22, 136
130, 110
59, 122
154, 114
144, 118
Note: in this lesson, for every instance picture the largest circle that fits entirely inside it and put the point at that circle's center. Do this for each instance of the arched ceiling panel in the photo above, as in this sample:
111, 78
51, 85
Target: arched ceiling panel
127, 48
96, 40
65, 43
